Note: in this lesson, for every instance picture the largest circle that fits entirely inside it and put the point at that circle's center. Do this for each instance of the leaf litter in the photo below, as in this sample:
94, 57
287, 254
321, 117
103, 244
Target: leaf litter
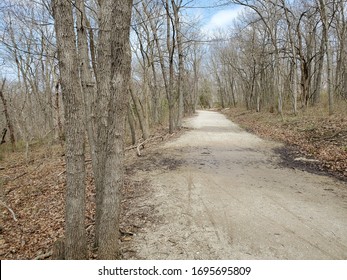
34, 189
313, 141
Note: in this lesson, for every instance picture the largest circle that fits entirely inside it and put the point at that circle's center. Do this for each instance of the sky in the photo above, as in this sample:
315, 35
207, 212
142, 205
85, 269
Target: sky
221, 19
214, 17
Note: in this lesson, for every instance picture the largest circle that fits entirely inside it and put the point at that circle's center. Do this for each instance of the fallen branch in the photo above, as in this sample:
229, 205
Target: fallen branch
44, 256
141, 145
3, 136
89, 227
10, 210
130, 147
126, 232
332, 136
15, 178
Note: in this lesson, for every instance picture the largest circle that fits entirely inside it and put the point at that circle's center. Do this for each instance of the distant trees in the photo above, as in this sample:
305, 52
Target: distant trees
285, 52
27, 49
165, 63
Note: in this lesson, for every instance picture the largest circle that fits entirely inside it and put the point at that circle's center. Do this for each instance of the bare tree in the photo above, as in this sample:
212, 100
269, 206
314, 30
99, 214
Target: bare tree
113, 77
106, 132
75, 236
176, 6
325, 23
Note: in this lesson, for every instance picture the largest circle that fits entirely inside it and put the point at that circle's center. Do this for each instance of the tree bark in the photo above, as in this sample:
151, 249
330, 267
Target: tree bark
318, 73
86, 78
113, 86
75, 236
131, 122
170, 44
103, 79
176, 7
143, 119
324, 18
7, 115
293, 63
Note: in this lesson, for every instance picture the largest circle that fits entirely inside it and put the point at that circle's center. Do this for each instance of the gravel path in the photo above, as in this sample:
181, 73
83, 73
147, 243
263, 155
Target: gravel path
218, 192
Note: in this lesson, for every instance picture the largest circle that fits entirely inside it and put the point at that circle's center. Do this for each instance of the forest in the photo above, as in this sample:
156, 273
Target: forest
91, 79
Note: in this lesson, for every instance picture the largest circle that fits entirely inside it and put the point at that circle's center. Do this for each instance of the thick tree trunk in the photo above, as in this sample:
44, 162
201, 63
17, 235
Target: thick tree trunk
114, 77
103, 79
75, 237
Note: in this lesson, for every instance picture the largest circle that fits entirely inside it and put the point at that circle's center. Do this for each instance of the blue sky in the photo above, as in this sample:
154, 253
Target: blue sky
217, 18
222, 19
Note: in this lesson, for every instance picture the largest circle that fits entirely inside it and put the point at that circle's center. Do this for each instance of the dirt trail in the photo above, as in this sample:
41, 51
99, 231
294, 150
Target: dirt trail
218, 192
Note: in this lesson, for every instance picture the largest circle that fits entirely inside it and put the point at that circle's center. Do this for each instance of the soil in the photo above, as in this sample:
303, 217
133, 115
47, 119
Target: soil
219, 192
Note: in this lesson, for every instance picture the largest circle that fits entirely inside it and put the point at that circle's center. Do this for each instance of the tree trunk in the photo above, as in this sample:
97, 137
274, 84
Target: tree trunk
180, 114
167, 78
114, 51
323, 14
7, 115
57, 109
131, 121
103, 79
293, 63
318, 73
86, 77
75, 237
143, 119
155, 93
170, 44
3, 135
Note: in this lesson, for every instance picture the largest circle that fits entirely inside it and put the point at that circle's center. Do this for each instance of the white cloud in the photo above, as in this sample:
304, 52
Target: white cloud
222, 19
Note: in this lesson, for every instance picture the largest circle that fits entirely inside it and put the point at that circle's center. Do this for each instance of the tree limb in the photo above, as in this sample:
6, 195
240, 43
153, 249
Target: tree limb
10, 210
